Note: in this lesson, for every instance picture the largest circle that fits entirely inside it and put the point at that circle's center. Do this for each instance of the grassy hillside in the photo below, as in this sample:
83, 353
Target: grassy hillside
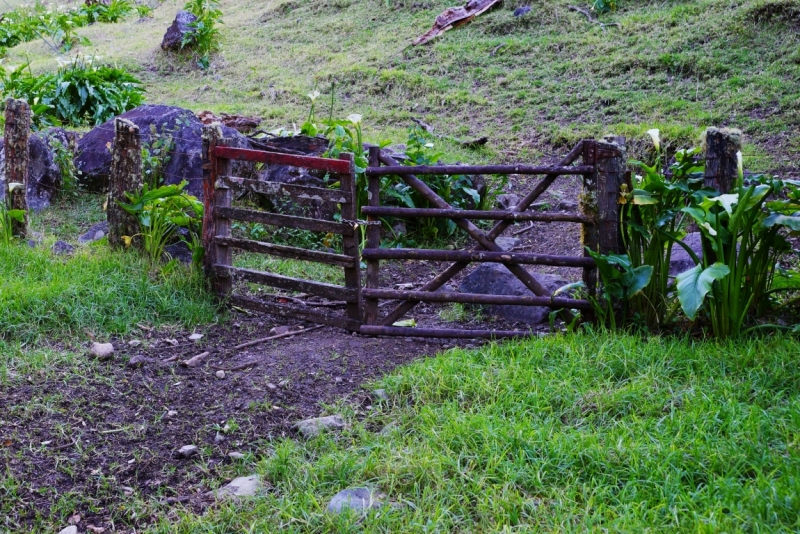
531, 84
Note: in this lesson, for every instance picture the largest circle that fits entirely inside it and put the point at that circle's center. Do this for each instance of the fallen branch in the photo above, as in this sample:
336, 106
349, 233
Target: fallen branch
469, 143
170, 359
287, 334
234, 368
594, 20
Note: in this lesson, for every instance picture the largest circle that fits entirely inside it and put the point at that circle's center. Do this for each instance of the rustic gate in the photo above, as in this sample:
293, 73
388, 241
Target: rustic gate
602, 170
603, 173
219, 188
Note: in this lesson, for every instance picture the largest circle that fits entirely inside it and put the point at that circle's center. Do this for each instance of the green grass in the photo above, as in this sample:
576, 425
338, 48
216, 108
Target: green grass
94, 292
530, 84
573, 433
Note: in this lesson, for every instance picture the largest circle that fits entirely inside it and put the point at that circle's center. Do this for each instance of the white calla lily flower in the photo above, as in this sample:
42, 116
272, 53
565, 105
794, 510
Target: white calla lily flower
655, 135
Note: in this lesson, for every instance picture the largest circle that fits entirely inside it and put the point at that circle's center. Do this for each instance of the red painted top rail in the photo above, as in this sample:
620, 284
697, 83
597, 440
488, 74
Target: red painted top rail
340, 166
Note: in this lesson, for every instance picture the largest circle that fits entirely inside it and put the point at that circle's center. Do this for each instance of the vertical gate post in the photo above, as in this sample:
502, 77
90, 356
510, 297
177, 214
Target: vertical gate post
352, 275
721, 146
17, 131
215, 195
599, 201
126, 176
373, 238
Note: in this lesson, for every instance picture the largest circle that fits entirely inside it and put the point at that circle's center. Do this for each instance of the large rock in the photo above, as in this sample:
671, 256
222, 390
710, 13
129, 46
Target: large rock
679, 259
93, 154
44, 175
313, 427
496, 279
359, 500
173, 39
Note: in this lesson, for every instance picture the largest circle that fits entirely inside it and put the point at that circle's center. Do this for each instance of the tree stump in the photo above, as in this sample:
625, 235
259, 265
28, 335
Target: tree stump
126, 176
17, 131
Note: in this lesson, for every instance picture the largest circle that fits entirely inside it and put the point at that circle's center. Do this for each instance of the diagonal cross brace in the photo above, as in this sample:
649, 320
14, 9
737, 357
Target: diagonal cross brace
485, 241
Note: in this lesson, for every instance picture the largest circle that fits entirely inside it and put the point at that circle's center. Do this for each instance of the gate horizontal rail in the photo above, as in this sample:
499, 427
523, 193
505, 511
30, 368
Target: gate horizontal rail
419, 170
475, 256
488, 215
476, 298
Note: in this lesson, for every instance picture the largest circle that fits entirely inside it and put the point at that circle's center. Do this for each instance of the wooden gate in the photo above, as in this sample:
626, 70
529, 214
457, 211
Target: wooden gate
602, 172
219, 189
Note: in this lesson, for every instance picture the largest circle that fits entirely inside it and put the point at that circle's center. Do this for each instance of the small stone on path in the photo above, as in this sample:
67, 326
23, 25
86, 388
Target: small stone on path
356, 499
312, 427
220, 374
219, 438
236, 455
195, 337
172, 413
271, 386
137, 361
283, 383
101, 351
134, 343
278, 330
380, 394
241, 487
187, 451
72, 529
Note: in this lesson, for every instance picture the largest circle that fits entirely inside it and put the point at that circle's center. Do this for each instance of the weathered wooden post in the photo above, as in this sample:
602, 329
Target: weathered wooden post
215, 195
126, 176
600, 201
17, 132
720, 147
352, 275
373, 237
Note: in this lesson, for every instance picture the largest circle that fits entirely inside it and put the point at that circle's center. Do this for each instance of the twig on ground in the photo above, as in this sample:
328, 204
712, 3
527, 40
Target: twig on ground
425, 126
518, 232
234, 368
67, 446
594, 20
170, 359
287, 334
496, 48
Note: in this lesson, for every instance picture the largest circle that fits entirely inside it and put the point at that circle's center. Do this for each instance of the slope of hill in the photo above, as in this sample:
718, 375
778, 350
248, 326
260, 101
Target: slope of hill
531, 84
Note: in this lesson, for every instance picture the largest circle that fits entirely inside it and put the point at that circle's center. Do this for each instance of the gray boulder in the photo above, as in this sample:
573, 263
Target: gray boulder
44, 175
181, 26
95, 233
496, 279
679, 259
312, 427
93, 155
241, 487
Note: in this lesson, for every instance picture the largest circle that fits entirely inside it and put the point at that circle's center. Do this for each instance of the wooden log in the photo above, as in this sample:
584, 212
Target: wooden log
373, 237
312, 316
449, 333
438, 170
480, 256
474, 214
278, 188
276, 158
499, 228
288, 283
290, 221
210, 137
17, 132
477, 298
283, 251
126, 177
350, 243
721, 146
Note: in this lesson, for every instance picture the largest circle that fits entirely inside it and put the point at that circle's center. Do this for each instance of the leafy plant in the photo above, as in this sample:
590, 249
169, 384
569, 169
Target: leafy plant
621, 281
7, 219
64, 158
155, 156
604, 6
160, 212
204, 35
79, 92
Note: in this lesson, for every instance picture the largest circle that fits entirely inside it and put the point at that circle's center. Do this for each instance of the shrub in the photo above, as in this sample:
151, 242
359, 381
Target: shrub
80, 92
203, 37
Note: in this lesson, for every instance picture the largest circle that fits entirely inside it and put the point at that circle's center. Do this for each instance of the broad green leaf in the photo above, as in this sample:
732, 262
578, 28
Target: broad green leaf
409, 323
637, 279
789, 221
642, 197
569, 287
694, 284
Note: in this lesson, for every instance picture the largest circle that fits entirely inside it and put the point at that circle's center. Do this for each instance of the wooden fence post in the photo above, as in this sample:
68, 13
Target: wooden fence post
721, 146
215, 195
373, 238
17, 132
126, 176
352, 275
599, 201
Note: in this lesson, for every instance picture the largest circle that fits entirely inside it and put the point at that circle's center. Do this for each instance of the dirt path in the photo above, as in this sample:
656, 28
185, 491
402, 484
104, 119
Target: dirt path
92, 441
